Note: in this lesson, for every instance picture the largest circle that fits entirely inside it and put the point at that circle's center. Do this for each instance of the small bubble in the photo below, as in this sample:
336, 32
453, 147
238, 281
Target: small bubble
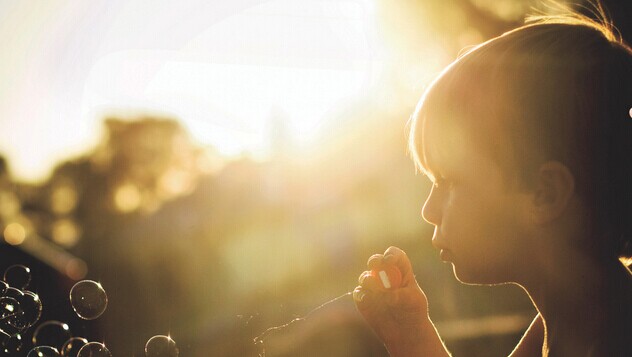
72, 347
17, 276
161, 346
13, 293
88, 299
43, 351
30, 311
630, 113
94, 349
51, 333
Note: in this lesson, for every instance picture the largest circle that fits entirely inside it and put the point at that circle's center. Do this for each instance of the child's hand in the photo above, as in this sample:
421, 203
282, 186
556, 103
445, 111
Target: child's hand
398, 315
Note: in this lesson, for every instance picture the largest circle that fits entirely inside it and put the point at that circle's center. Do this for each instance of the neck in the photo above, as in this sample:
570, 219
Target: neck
581, 301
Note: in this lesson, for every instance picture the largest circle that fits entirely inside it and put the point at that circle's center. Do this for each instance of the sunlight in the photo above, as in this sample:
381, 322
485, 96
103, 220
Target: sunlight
232, 85
232, 72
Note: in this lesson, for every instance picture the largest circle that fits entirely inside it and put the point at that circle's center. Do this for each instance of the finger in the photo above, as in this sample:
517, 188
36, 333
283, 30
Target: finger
393, 252
375, 261
363, 276
369, 282
398, 257
358, 294
362, 298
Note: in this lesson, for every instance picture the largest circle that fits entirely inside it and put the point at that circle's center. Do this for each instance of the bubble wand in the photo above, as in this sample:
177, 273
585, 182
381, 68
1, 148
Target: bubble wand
390, 278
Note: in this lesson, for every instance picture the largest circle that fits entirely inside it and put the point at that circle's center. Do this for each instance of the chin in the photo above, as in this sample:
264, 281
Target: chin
471, 276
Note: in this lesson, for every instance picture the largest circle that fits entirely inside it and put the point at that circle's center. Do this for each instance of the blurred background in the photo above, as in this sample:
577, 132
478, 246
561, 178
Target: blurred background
222, 167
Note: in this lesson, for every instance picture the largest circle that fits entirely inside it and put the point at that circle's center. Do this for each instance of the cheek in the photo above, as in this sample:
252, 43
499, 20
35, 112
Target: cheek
474, 221
462, 214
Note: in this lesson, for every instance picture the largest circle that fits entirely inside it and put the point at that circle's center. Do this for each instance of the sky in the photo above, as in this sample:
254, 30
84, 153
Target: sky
222, 67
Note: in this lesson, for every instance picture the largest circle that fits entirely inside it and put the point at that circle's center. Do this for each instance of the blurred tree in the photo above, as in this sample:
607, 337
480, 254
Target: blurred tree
184, 249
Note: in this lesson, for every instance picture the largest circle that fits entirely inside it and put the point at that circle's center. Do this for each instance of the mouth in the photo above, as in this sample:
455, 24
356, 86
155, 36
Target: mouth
446, 255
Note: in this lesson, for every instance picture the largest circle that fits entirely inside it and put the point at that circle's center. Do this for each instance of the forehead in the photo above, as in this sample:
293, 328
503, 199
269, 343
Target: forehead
464, 112
461, 148
453, 155
449, 150
445, 146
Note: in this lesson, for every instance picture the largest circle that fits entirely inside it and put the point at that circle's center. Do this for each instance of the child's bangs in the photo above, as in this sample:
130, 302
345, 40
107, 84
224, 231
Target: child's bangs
452, 113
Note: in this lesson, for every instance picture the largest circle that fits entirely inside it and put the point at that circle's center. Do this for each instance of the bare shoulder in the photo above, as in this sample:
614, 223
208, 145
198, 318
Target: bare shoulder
531, 343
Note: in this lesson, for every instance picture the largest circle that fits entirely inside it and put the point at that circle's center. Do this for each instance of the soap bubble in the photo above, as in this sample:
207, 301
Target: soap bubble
94, 349
17, 276
161, 346
43, 351
30, 311
88, 299
13, 293
3, 287
72, 347
12, 345
51, 333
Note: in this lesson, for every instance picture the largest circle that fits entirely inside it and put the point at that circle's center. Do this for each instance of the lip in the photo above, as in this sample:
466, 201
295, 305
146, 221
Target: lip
446, 255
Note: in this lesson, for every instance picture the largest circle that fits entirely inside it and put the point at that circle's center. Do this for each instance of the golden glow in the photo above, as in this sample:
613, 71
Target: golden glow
127, 198
76, 269
175, 182
63, 199
226, 81
14, 233
9, 204
209, 164
150, 203
222, 76
65, 232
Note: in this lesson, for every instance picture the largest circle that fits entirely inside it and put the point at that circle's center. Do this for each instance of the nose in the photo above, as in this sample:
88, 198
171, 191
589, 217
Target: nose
431, 212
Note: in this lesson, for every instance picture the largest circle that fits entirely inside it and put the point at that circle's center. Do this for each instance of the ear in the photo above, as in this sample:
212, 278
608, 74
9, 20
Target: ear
554, 188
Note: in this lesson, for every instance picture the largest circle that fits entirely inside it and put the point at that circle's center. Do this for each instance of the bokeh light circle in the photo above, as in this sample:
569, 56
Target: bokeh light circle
161, 346
88, 299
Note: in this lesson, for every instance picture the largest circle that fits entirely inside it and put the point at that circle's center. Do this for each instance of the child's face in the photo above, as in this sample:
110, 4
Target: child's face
479, 220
